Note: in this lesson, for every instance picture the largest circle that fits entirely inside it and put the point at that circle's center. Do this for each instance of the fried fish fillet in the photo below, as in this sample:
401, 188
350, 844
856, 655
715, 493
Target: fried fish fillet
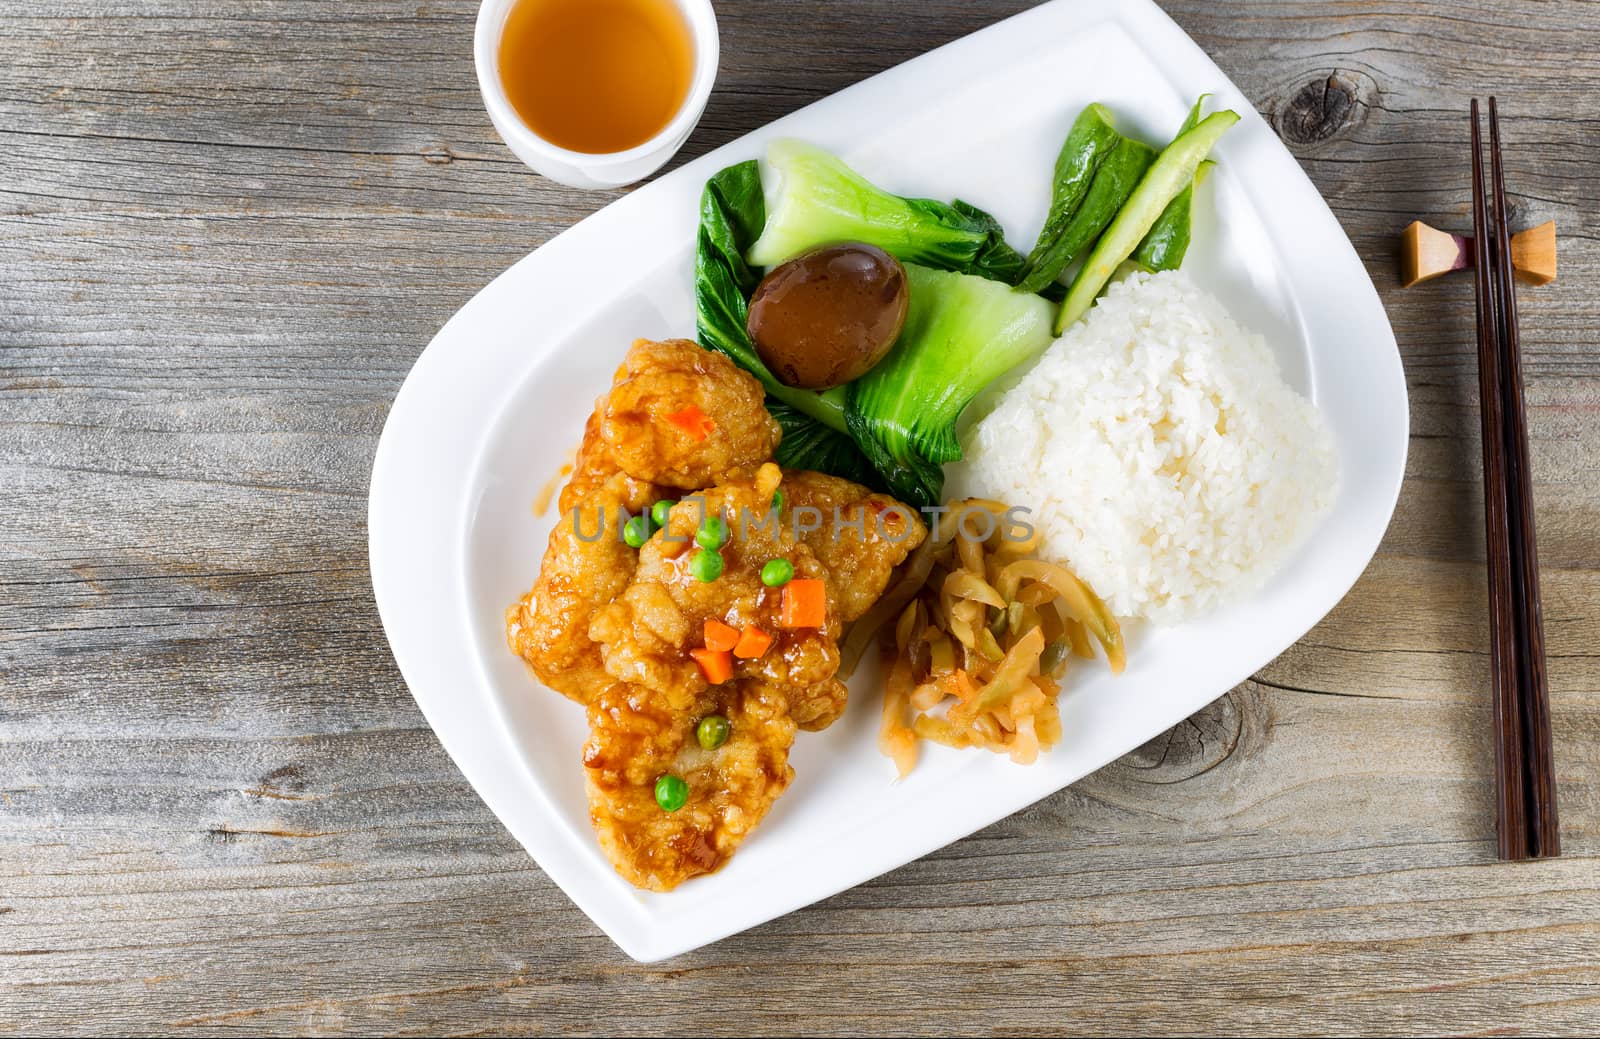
586, 565
612, 626
630, 455
641, 418
635, 738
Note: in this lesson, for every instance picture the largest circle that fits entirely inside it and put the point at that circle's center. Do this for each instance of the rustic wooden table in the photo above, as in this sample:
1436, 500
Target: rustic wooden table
228, 230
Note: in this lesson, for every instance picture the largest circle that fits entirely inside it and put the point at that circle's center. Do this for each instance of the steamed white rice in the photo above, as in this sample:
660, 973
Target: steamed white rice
1164, 458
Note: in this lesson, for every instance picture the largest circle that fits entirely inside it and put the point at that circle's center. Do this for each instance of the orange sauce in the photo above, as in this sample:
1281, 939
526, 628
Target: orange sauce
596, 76
547, 493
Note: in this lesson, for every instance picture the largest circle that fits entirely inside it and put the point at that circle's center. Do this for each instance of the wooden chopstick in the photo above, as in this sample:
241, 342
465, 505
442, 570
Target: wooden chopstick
1510, 826
1525, 796
1539, 770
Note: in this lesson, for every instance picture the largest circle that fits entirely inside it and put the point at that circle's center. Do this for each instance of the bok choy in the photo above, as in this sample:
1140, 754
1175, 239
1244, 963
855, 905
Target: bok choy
732, 214
821, 201
961, 333
894, 427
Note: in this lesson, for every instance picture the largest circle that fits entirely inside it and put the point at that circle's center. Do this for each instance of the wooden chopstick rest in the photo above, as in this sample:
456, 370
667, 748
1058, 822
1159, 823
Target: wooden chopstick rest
1427, 252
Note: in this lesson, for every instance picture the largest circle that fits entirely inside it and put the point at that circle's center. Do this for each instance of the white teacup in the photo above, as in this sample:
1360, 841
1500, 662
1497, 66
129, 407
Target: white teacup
581, 169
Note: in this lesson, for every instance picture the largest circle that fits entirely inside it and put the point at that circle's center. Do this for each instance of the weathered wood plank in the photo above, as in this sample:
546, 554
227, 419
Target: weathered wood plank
225, 234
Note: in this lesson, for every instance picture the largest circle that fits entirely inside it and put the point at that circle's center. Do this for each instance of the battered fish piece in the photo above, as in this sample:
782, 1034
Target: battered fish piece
585, 567
579, 575
595, 467
613, 627
635, 739
873, 535
645, 634
660, 380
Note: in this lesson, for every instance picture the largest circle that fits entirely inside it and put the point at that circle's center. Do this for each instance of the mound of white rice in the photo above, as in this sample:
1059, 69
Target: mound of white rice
1165, 459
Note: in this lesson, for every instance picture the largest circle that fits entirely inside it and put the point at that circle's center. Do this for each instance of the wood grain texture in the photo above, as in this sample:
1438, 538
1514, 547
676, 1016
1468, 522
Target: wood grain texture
227, 230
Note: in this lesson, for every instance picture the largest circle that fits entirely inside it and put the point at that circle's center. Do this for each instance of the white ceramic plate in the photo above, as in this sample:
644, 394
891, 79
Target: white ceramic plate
494, 404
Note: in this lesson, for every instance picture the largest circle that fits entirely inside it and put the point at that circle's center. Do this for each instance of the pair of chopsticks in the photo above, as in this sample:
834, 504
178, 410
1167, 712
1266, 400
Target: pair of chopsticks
1525, 784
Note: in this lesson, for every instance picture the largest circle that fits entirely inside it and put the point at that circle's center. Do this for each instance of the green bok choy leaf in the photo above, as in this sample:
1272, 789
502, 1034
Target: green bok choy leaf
821, 201
961, 333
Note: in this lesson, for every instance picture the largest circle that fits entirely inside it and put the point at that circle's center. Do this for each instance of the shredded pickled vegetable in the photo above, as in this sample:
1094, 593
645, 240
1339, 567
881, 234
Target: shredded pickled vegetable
976, 639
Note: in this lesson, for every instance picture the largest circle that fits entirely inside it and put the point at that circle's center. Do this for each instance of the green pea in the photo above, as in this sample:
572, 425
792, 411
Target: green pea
777, 501
672, 793
777, 573
713, 533
712, 732
658, 512
706, 565
636, 531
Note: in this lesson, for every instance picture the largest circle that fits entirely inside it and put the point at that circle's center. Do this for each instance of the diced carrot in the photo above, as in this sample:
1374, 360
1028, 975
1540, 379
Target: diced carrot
693, 421
720, 637
753, 644
805, 604
716, 665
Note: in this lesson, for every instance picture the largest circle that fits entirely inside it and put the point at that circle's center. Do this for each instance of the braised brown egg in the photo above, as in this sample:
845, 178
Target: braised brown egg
827, 316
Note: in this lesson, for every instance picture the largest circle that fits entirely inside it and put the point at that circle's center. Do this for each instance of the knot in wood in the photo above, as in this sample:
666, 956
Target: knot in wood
1324, 105
1193, 747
